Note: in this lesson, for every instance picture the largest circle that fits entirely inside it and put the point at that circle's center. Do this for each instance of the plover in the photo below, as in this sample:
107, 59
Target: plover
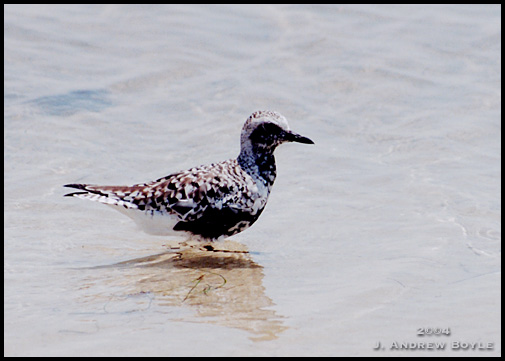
211, 201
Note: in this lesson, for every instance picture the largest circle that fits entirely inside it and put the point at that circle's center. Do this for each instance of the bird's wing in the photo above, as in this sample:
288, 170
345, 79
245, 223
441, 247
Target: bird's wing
187, 194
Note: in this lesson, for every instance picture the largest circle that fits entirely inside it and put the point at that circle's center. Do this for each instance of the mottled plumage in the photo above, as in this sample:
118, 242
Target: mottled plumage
208, 202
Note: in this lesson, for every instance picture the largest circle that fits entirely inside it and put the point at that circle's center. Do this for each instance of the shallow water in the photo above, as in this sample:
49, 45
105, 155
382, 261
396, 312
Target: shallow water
390, 223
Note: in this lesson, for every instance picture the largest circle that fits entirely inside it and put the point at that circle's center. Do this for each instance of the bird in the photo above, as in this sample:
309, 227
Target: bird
209, 202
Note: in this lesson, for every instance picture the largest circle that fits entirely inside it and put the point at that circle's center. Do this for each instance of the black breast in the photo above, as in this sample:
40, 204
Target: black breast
266, 167
215, 223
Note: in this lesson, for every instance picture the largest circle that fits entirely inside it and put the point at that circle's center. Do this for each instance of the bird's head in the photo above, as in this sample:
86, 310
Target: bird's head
265, 130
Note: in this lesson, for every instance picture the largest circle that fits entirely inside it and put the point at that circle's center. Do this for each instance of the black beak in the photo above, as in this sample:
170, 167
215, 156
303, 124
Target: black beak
293, 137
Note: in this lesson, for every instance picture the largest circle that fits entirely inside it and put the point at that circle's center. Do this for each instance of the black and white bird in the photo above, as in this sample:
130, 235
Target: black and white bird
211, 201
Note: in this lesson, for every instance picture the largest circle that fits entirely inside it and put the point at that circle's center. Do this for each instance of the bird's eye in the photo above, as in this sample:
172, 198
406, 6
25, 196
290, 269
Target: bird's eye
266, 133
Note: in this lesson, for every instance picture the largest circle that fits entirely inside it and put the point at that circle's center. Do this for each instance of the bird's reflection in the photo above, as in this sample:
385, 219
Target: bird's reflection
220, 283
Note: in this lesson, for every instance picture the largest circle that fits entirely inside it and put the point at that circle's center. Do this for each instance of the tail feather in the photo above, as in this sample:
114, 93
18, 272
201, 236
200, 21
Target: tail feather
74, 194
106, 194
78, 186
